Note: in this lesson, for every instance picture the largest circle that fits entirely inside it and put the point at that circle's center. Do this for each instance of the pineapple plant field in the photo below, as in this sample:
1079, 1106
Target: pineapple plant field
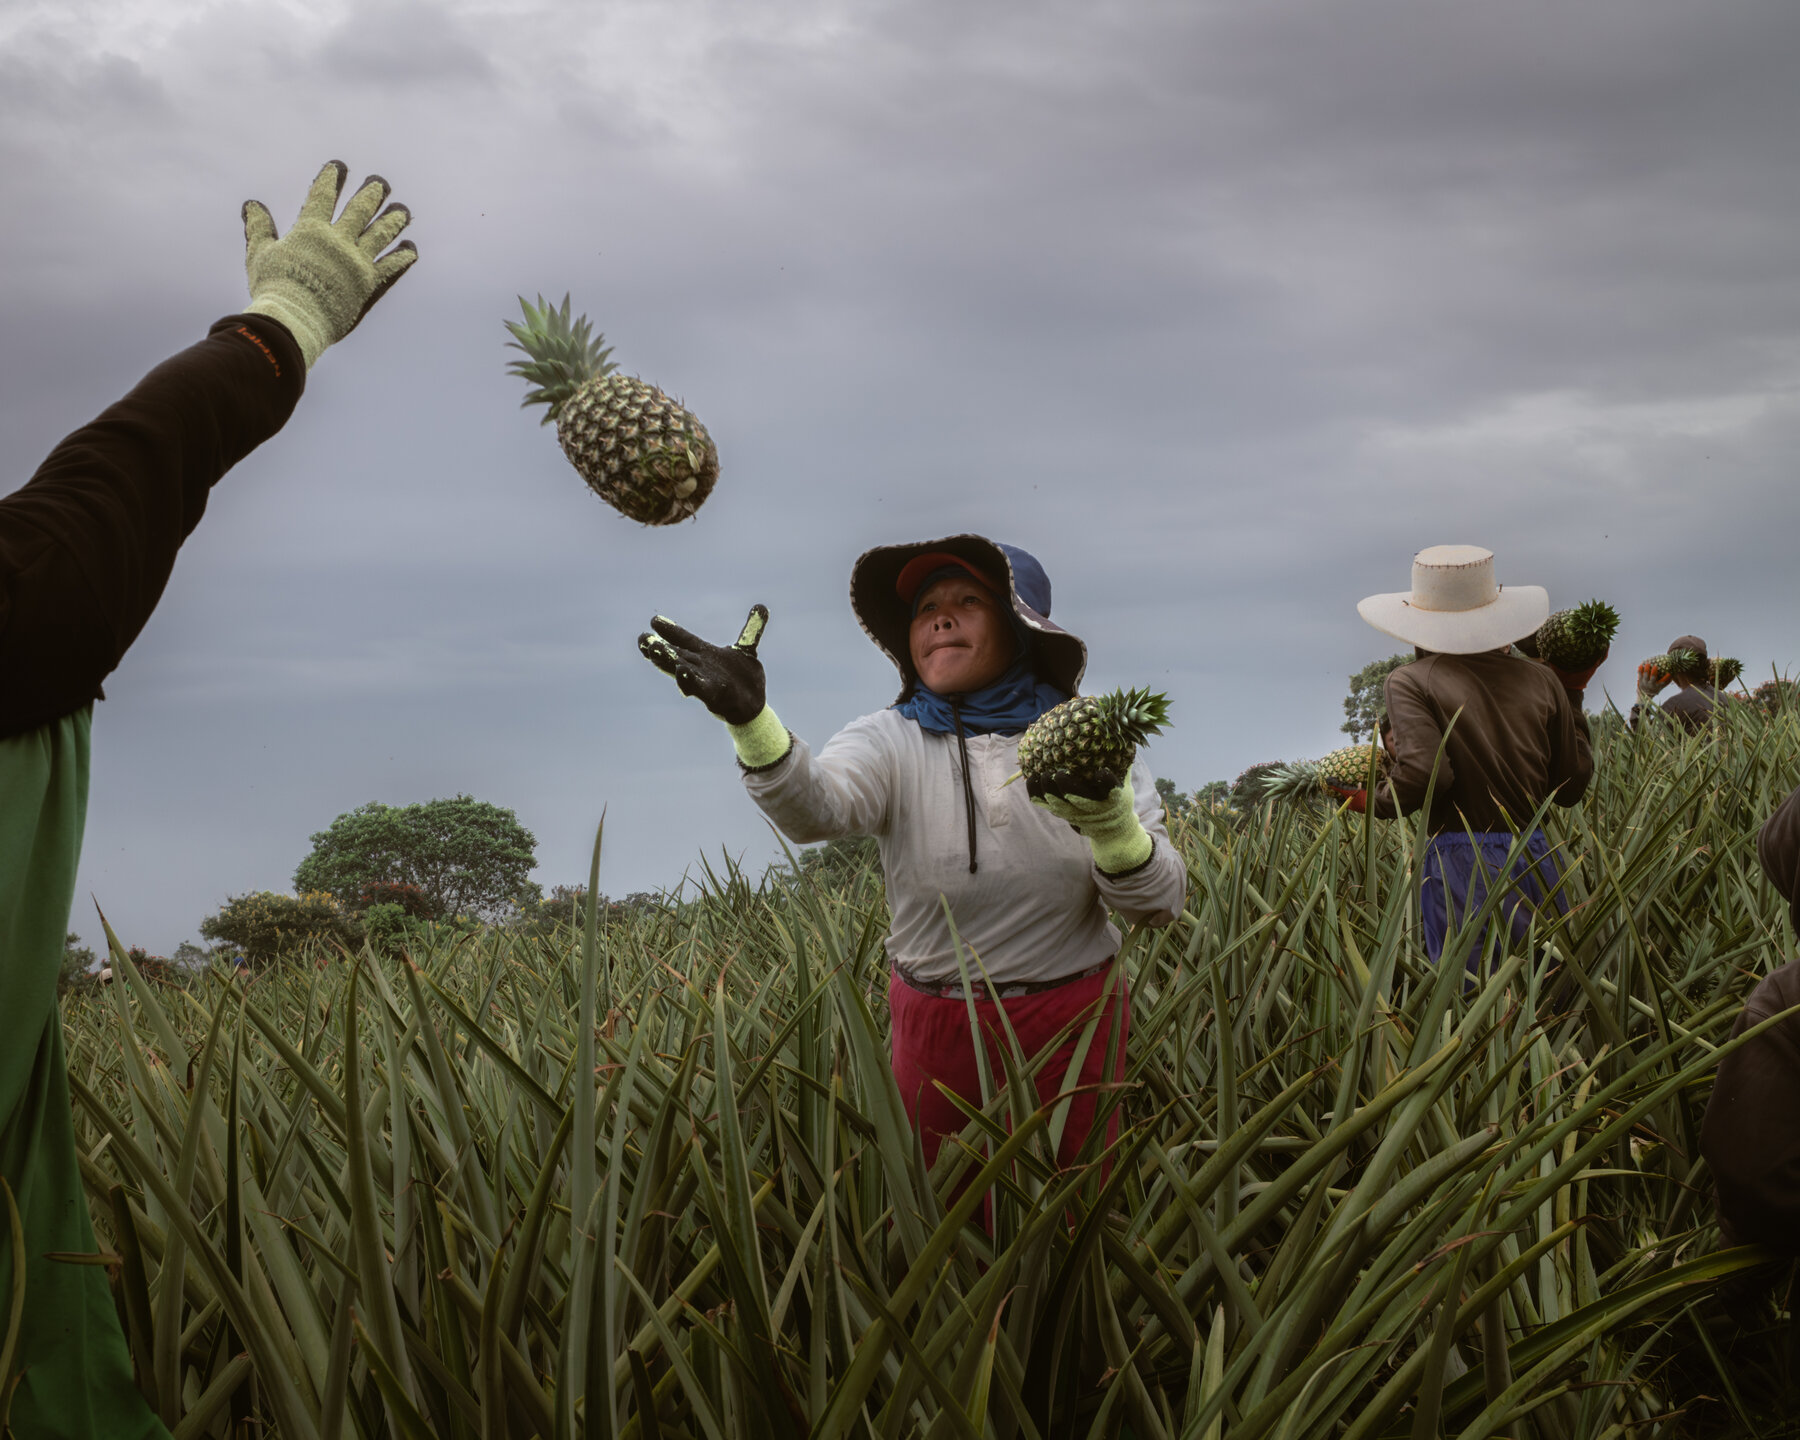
639, 451
1091, 737
652, 1178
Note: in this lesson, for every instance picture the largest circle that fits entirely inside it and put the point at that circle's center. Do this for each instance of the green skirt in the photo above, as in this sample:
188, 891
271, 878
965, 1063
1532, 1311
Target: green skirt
71, 1370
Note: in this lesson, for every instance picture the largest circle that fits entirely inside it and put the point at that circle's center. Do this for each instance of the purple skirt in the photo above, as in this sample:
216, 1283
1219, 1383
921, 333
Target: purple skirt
1458, 869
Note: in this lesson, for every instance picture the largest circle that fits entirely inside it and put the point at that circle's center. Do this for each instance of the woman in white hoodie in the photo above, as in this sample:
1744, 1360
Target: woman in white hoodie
1028, 877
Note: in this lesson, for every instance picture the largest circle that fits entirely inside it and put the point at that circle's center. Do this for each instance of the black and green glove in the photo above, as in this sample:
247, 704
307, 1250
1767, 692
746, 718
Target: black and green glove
1103, 811
320, 278
726, 679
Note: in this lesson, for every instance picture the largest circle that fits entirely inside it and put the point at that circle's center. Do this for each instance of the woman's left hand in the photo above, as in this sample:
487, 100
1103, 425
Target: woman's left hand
1109, 823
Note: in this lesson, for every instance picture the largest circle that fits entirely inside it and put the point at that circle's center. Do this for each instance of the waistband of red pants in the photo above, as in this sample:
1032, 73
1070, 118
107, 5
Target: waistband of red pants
981, 990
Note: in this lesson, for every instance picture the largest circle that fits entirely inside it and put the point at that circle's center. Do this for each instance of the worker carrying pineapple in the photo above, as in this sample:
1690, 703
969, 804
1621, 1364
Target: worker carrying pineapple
1510, 732
1697, 689
86, 546
966, 621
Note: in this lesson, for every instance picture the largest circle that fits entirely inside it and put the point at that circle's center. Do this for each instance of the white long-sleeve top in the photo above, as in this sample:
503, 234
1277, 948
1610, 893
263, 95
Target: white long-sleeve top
1036, 906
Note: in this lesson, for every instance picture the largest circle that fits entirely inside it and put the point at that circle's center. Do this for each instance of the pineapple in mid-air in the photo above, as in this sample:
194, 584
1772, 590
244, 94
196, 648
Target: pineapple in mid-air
638, 450
1577, 639
1091, 733
1725, 669
1313, 779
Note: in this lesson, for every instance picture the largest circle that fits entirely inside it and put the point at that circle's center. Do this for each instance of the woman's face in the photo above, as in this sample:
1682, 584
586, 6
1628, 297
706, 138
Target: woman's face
960, 640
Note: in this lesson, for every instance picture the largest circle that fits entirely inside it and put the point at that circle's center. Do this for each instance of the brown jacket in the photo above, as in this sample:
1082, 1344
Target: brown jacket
1751, 1135
1517, 740
1778, 848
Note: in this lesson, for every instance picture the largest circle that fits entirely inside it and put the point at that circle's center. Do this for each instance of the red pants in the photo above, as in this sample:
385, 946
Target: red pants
932, 1043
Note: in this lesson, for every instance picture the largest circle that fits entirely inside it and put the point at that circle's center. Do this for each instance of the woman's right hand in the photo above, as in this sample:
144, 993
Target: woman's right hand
726, 679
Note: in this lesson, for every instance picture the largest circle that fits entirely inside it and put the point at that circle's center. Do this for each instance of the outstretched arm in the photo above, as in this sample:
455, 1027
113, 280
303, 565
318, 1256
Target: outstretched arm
86, 546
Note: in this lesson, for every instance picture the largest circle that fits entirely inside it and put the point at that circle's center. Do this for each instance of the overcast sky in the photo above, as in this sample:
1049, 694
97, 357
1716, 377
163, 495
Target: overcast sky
1221, 309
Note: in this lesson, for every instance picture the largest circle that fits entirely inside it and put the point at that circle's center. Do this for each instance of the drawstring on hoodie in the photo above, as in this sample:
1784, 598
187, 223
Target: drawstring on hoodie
962, 747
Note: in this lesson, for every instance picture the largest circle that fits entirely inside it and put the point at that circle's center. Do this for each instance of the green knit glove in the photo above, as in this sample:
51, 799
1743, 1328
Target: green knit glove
762, 742
1110, 826
320, 279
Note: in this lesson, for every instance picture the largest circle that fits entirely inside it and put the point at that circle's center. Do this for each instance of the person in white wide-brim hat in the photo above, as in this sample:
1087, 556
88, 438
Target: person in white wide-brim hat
1502, 734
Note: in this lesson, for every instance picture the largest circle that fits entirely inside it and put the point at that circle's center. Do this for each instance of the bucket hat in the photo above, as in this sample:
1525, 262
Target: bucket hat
884, 581
1455, 606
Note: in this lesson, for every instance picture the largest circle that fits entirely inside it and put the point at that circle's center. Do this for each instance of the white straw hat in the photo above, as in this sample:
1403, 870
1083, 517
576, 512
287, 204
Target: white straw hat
1454, 606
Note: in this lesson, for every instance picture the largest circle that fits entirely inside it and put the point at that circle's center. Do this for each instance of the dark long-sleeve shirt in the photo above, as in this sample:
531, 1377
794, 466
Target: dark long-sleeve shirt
1517, 740
1778, 848
87, 544
1751, 1135
1693, 707
85, 550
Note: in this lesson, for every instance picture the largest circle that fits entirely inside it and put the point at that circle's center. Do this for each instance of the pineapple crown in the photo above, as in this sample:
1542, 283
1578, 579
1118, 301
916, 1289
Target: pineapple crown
1725, 670
1593, 622
1251, 788
1683, 665
561, 354
1134, 715
1298, 780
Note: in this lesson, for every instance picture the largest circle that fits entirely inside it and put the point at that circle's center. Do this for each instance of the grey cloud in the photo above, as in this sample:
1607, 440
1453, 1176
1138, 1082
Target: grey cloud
404, 43
1222, 309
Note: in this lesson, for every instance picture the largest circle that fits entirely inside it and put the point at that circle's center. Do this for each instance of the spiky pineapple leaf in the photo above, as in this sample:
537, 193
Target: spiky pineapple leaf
1135, 714
562, 354
1576, 638
1299, 780
1684, 665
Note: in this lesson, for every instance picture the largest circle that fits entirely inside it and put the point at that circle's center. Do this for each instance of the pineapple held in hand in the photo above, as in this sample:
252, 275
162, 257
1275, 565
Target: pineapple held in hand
1346, 769
638, 450
1578, 639
1085, 746
1652, 676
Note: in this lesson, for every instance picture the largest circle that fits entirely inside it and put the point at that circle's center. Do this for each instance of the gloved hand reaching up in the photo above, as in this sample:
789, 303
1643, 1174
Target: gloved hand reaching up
726, 679
1103, 811
321, 277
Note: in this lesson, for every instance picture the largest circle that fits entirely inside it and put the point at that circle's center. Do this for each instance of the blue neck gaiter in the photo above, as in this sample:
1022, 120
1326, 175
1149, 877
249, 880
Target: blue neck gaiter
1005, 707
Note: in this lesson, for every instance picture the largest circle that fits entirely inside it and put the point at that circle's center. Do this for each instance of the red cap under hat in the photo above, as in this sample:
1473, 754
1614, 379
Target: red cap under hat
916, 570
